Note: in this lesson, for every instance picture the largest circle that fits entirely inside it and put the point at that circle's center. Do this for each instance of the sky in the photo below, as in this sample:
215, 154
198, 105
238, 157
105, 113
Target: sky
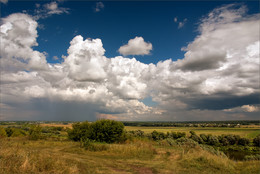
129, 61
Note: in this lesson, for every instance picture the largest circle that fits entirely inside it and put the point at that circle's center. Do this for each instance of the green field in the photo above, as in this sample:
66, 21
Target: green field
243, 132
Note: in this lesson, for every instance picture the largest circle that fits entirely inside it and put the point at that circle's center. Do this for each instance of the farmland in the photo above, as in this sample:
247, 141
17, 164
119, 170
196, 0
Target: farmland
250, 132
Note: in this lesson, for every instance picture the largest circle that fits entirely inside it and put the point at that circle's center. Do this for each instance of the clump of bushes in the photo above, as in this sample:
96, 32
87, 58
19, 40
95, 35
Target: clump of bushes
14, 132
252, 157
256, 141
186, 142
35, 132
108, 131
223, 140
2, 133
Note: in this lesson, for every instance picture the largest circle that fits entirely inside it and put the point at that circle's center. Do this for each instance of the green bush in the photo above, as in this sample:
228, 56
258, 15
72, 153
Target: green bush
35, 132
9, 131
79, 131
256, 141
252, 157
108, 131
243, 141
176, 135
2, 133
155, 135
213, 140
18, 132
136, 133
186, 142
171, 141
204, 137
196, 138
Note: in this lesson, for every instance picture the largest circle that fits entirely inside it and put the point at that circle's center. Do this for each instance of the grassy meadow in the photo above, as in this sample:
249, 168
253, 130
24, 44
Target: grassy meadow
56, 153
18, 155
250, 132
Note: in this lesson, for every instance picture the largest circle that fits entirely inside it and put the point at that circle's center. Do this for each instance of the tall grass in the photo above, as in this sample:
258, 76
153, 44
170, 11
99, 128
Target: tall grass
20, 155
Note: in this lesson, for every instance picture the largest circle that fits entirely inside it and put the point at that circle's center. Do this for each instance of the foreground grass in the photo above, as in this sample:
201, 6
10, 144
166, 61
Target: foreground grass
19, 155
250, 132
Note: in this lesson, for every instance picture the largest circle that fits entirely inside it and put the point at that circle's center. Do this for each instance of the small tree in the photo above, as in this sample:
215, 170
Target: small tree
79, 131
155, 135
192, 132
213, 140
9, 131
2, 133
204, 137
196, 138
107, 131
35, 132
18, 133
256, 141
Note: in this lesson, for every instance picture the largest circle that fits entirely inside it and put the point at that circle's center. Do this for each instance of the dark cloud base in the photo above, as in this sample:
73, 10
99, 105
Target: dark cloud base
223, 101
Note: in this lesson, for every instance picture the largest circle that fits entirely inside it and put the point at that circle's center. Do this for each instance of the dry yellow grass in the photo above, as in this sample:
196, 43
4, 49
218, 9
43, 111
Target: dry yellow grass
19, 155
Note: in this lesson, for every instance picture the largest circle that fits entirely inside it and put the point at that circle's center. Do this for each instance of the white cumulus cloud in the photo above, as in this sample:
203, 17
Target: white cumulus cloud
136, 46
218, 78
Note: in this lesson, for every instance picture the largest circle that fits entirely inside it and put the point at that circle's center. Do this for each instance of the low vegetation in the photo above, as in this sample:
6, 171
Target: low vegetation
105, 146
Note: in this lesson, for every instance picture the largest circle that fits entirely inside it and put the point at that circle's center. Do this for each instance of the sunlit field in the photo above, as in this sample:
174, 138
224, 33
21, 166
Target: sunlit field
250, 132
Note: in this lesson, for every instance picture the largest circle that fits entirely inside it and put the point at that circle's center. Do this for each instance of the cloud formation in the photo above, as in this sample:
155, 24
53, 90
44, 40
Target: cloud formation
136, 46
99, 6
4, 1
48, 9
217, 79
180, 23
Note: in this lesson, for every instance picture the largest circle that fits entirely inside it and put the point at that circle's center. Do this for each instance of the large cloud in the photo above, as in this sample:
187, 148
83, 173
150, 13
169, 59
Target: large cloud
220, 69
218, 75
136, 46
18, 34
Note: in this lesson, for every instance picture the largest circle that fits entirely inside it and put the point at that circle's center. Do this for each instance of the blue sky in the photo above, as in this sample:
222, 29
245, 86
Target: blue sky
119, 22
148, 60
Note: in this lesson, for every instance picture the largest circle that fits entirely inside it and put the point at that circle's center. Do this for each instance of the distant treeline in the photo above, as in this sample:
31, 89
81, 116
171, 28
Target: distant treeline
233, 123
34, 122
194, 123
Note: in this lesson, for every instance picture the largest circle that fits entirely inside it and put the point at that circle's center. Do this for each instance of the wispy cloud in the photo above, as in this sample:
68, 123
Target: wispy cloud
180, 23
4, 1
99, 6
48, 10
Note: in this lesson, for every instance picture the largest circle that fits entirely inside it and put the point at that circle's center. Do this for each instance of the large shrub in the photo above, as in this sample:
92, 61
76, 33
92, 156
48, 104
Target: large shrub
155, 135
213, 140
256, 141
108, 131
176, 135
2, 133
35, 132
18, 132
79, 131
